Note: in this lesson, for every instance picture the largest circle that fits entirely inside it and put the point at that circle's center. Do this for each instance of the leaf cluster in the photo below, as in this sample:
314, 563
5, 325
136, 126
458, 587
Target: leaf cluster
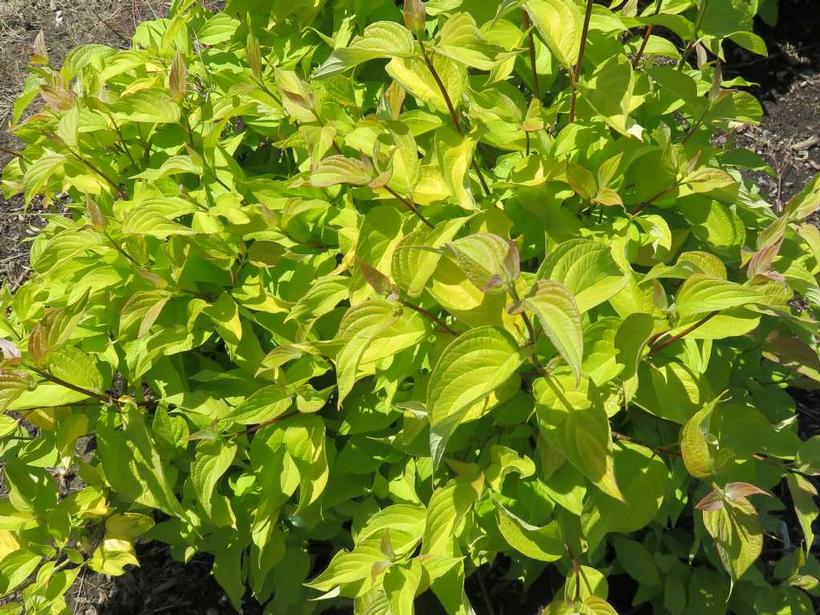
359, 298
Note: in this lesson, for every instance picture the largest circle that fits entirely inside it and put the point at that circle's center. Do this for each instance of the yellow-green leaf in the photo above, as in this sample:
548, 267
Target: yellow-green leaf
737, 533
587, 269
559, 23
471, 368
383, 39
544, 544
555, 307
336, 170
490, 262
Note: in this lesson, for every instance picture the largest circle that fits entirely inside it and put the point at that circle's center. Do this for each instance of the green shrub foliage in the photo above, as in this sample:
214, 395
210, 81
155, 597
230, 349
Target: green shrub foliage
358, 302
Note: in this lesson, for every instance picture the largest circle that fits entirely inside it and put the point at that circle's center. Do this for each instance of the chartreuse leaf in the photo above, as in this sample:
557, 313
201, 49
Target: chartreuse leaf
540, 543
151, 106
8, 425
489, 261
701, 294
804, 496
117, 549
217, 29
415, 77
503, 461
263, 405
592, 605
16, 567
701, 454
360, 327
588, 583
698, 444
348, 567
297, 98
213, 458
383, 39
72, 365
401, 584
12, 385
643, 479
306, 442
609, 92
461, 41
414, 261
806, 202
735, 526
586, 268
141, 312
455, 155
559, 23
404, 523
341, 170
555, 307
404, 164
448, 506
574, 421
468, 372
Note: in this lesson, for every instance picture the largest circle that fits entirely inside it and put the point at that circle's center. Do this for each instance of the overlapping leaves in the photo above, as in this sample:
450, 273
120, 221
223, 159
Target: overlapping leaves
390, 294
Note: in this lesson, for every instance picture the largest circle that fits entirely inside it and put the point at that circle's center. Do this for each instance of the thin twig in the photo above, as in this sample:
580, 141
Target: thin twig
73, 387
122, 141
441, 87
650, 28
268, 423
13, 154
695, 126
576, 570
96, 170
430, 316
120, 249
636, 61
453, 115
527, 322
481, 179
673, 450
410, 205
652, 199
576, 74
693, 42
528, 24
782, 466
670, 450
660, 345
119, 34
484, 592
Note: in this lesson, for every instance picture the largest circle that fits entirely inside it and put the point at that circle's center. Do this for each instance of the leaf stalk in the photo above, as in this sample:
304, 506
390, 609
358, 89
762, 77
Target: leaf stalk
575, 75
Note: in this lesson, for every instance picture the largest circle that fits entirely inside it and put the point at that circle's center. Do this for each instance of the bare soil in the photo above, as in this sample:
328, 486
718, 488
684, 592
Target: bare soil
65, 24
788, 86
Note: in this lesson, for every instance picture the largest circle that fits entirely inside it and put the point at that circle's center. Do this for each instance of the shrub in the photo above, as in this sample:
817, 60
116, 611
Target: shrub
357, 307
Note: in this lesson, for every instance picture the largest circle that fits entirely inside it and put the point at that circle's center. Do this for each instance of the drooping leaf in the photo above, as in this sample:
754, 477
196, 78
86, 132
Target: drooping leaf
575, 422
559, 23
700, 455
737, 533
540, 543
383, 39
554, 306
